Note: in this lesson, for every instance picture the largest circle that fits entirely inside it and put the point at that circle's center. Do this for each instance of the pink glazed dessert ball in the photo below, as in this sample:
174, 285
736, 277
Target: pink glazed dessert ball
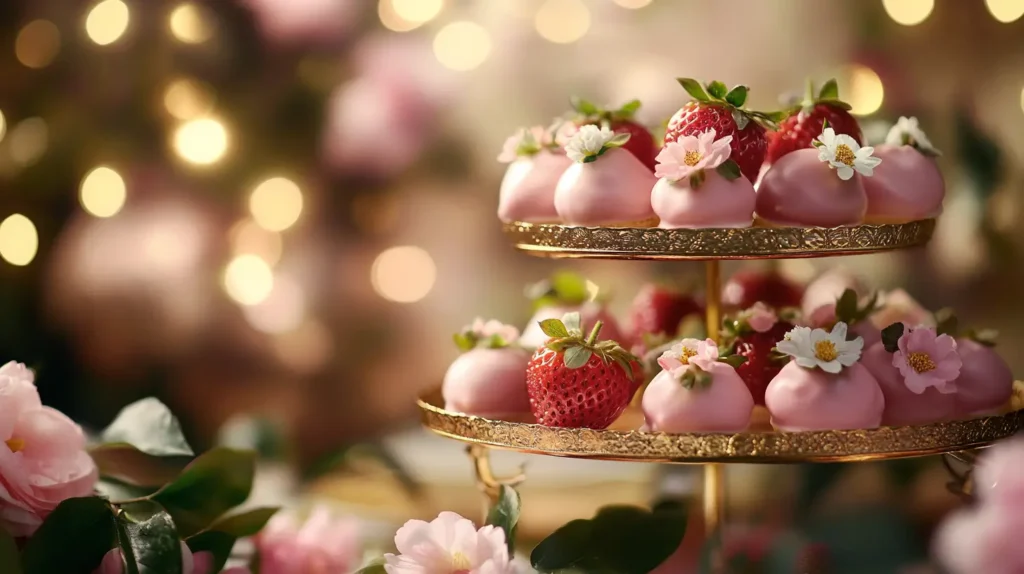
535, 165
907, 186
801, 399
489, 378
801, 191
902, 405
985, 384
723, 405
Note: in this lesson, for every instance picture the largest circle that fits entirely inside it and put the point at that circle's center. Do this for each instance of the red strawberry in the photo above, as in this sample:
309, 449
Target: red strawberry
576, 382
657, 310
718, 108
805, 122
762, 364
641, 142
769, 287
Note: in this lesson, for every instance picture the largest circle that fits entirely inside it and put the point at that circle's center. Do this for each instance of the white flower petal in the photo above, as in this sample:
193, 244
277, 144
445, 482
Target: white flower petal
844, 172
828, 137
838, 334
843, 139
830, 366
806, 362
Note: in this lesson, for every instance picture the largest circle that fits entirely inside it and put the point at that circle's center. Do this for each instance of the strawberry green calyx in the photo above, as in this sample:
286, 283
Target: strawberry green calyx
849, 309
891, 337
734, 361
946, 323
468, 340
828, 95
587, 111
732, 99
695, 378
486, 335
567, 338
561, 289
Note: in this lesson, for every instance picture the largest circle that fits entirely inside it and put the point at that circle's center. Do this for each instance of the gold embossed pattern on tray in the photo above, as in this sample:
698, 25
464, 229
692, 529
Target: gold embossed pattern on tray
764, 446
715, 243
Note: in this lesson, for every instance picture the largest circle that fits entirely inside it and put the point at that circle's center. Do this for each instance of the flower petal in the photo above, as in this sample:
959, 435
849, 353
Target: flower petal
845, 172
830, 366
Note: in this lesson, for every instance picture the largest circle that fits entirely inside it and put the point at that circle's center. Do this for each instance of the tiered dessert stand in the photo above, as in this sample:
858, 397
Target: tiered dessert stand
759, 444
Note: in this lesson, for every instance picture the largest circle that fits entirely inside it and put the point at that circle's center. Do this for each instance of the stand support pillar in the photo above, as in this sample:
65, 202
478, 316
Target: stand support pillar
714, 474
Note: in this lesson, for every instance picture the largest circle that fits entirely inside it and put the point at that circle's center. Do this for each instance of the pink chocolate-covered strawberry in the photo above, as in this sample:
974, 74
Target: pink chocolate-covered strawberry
564, 293
535, 166
621, 121
985, 384
700, 186
908, 185
489, 378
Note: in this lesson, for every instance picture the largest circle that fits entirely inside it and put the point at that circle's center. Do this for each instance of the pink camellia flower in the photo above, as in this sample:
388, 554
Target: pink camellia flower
998, 476
682, 158
982, 540
42, 455
305, 21
525, 142
898, 306
927, 360
450, 544
323, 543
689, 352
198, 563
487, 329
761, 317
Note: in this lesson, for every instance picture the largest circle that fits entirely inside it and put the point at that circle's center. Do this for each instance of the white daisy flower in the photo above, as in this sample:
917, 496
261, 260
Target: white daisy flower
591, 141
843, 153
829, 352
907, 131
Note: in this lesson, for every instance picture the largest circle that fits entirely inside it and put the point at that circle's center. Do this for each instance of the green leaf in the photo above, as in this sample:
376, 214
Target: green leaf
891, 337
737, 96
837, 104
584, 107
10, 562
846, 306
824, 125
741, 119
829, 91
576, 357
729, 169
117, 491
219, 544
149, 426
573, 323
946, 322
148, 540
628, 109
73, 538
125, 463
717, 90
554, 328
570, 288
618, 140
374, 567
464, 341
216, 482
565, 548
247, 523
694, 88
697, 179
734, 361
505, 514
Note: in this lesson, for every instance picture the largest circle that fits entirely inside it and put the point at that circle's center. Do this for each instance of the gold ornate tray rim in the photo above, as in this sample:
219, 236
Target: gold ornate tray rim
567, 241
764, 447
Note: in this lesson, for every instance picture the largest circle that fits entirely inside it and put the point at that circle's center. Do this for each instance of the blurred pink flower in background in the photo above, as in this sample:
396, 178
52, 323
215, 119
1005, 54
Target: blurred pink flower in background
449, 543
42, 459
305, 21
323, 543
897, 306
999, 474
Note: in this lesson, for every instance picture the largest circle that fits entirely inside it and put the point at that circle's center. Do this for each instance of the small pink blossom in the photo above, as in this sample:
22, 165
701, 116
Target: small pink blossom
449, 544
689, 352
761, 317
898, 306
559, 133
686, 156
999, 474
525, 142
43, 460
322, 543
982, 540
485, 330
927, 360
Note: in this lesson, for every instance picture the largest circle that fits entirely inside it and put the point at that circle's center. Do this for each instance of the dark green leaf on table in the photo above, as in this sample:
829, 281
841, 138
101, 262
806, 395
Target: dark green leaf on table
73, 538
214, 483
10, 560
568, 547
148, 539
505, 514
149, 426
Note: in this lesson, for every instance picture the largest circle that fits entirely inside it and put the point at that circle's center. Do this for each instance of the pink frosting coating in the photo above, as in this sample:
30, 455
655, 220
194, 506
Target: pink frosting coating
488, 382
717, 202
590, 313
903, 406
800, 190
528, 189
985, 383
614, 188
802, 399
724, 406
906, 186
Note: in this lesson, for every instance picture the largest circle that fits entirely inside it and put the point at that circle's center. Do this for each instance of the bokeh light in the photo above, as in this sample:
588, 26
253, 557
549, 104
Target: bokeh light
862, 89
1005, 11
3, 126
28, 141
562, 21
282, 311
908, 12
248, 237
202, 141
417, 11
248, 280
190, 24
276, 204
403, 274
37, 44
462, 46
633, 4
102, 192
19, 240
107, 22
187, 99
391, 20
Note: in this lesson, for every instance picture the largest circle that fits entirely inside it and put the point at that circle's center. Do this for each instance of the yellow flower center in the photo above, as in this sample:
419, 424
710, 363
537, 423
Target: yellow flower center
845, 155
461, 563
692, 157
16, 444
687, 354
921, 362
825, 350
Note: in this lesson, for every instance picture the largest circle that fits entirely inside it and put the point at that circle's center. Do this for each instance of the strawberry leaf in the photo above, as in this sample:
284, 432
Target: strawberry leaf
584, 107
836, 104
741, 119
734, 361
554, 328
846, 307
569, 288
891, 337
946, 322
618, 140
829, 91
694, 88
575, 357
697, 179
628, 109
464, 341
825, 125
737, 96
717, 90
729, 169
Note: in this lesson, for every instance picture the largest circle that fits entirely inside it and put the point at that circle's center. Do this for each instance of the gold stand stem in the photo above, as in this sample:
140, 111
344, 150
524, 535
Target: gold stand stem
486, 481
714, 474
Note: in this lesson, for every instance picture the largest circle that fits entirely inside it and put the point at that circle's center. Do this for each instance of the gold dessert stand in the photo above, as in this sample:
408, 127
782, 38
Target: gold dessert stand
623, 441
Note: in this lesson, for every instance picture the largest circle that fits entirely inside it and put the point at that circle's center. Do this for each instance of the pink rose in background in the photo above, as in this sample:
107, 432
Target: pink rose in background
42, 455
449, 544
926, 359
761, 317
323, 543
198, 563
999, 474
